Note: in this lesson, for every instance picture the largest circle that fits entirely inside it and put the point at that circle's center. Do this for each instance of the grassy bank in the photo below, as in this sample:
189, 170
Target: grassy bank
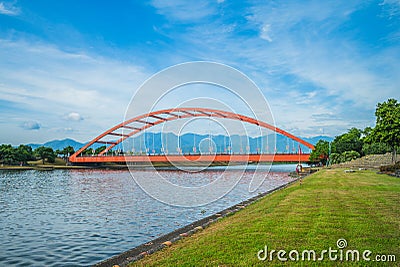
361, 207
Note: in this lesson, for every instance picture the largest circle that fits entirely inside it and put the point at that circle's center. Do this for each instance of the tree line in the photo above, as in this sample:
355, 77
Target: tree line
383, 138
20, 155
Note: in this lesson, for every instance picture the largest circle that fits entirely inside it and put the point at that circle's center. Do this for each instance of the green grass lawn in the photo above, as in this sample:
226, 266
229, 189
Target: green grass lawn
57, 161
361, 207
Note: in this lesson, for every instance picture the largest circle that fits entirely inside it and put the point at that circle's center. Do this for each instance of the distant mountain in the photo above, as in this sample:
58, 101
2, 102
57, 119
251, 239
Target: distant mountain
189, 142
59, 144
238, 144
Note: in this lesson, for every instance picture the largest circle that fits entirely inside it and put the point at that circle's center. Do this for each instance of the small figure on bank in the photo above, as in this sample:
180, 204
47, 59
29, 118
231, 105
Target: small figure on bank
299, 169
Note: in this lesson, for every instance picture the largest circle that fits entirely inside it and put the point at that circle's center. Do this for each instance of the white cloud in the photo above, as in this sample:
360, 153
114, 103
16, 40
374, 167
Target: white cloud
183, 10
305, 47
392, 7
42, 79
73, 116
31, 125
266, 32
307, 67
342, 71
324, 69
313, 75
68, 130
8, 9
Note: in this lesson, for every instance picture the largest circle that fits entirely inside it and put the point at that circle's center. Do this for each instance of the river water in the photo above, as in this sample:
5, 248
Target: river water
80, 217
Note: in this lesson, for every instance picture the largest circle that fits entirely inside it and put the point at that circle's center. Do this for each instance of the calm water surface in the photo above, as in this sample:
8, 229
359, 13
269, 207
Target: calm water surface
80, 217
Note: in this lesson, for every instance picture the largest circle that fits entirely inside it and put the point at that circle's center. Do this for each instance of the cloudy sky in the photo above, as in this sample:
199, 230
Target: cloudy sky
70, 68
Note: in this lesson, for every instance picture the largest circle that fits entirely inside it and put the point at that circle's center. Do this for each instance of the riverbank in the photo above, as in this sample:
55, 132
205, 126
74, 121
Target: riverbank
360, 207
62, 164
59, 163
157, 244
91, 215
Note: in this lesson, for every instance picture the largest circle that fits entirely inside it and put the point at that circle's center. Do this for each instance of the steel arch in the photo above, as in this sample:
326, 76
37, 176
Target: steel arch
157, 117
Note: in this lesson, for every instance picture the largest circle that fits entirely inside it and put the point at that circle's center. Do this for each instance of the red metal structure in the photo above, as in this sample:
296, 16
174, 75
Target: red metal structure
140, 123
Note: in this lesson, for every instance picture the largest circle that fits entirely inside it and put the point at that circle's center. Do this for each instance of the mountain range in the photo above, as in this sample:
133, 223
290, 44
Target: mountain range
59, 144
190, 142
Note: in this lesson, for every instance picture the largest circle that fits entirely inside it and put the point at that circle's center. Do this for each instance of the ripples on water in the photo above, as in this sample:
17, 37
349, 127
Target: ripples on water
80, 217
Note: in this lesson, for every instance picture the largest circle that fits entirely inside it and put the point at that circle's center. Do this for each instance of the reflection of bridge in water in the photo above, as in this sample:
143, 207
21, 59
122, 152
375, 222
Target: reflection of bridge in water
121, 132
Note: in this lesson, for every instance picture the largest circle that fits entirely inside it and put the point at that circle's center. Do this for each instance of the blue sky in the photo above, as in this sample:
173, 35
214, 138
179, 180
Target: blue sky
69, 68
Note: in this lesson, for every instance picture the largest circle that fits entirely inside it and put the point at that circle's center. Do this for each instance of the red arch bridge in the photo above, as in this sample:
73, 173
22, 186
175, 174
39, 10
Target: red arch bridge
117, 134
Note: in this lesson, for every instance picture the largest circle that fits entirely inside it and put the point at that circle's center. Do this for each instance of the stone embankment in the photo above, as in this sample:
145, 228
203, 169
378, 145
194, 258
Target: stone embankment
367, 162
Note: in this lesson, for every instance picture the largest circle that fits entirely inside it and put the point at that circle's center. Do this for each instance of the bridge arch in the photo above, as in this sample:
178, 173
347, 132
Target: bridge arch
154, 118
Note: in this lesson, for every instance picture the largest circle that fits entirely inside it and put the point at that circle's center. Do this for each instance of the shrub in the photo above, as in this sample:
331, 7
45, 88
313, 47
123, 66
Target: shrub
335, 158
350, 155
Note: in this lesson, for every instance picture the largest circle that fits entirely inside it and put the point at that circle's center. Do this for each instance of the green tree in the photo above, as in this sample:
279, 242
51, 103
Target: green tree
45, 153
99, 149
58, 152
24, 154
8, 154
68, 151
366, 133
387, 128
88, 151
375, 148
320, 152
350, 141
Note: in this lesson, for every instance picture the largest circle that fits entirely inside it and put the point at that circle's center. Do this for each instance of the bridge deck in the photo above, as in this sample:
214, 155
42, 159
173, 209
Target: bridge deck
194, 158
